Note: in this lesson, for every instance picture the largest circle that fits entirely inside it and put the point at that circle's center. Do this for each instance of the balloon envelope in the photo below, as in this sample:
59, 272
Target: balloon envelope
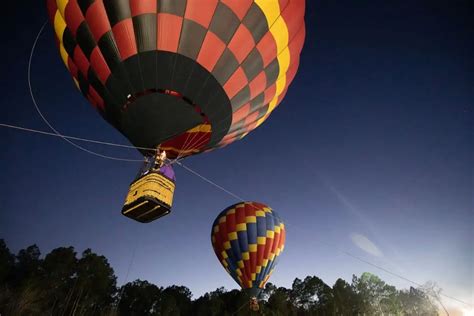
187, 76
247, 238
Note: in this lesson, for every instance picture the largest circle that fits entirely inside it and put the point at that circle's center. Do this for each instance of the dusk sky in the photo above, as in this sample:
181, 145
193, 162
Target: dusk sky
370, 153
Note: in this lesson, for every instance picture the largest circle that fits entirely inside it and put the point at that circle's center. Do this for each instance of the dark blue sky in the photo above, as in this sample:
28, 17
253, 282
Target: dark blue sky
370, 152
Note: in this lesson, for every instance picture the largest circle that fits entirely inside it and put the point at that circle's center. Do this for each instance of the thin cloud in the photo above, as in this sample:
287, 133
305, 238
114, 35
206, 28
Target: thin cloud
366, 221
365, 244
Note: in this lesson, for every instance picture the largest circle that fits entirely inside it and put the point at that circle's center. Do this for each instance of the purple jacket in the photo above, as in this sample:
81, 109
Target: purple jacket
168, 171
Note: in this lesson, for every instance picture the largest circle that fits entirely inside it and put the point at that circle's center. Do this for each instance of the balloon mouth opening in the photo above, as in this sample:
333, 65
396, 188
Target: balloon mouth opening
187, 143
254, 293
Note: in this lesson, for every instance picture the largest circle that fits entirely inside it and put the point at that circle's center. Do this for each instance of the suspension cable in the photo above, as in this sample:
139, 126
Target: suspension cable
25, 129
327, 244
33, 48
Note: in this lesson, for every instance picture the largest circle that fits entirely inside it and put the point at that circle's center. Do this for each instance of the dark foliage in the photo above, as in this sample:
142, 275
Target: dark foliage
63, 284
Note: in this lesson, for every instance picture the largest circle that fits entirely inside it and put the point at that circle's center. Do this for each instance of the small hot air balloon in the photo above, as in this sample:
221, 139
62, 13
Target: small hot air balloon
247, 238
181, 76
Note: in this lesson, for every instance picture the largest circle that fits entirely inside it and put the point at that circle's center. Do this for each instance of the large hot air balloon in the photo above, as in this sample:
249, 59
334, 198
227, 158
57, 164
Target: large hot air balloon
181, 76
247, 238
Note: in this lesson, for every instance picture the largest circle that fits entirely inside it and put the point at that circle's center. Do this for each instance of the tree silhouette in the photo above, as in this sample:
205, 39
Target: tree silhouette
63, 284
139, 298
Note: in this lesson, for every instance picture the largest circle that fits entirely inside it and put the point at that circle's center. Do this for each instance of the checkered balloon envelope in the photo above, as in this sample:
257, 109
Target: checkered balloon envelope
248, 238
184, 76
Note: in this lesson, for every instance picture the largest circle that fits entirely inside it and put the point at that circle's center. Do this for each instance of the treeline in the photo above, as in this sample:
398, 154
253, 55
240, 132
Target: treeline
63, 284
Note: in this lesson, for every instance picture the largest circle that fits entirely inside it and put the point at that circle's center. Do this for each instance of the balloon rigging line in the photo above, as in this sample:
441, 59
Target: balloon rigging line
184, 148
68, 138
339, 250
201, 141
87, 140
210, 181
69, 141
132, 259
33, 48
72, 137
